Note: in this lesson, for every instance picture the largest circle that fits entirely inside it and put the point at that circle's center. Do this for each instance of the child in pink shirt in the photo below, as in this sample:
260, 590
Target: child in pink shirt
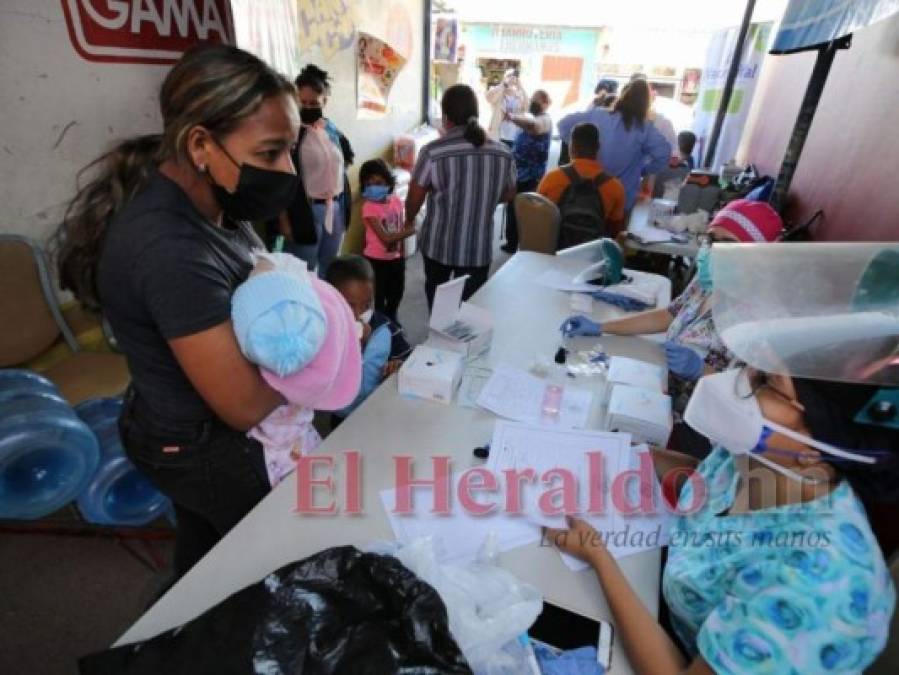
382, 214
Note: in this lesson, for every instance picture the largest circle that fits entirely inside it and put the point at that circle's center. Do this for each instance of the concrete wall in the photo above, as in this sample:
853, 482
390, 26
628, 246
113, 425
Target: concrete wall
850, 162
60, 110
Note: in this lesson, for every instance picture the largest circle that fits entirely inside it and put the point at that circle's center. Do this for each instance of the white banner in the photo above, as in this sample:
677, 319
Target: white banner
711, 88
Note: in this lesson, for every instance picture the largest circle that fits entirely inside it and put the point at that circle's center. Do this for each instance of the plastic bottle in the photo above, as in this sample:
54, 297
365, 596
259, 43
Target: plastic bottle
47, 454
15, 383
118, 494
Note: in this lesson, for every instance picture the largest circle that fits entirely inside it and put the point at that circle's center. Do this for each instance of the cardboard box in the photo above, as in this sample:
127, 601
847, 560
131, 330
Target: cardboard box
644, 413
458, 326
431, 374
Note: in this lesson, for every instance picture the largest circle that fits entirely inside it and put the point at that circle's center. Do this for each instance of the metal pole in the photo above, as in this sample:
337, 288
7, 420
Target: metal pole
813, 91
426, 60
729, 84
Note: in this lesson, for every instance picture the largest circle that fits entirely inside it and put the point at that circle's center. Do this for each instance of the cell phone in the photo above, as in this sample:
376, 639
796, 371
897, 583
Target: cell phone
564, 630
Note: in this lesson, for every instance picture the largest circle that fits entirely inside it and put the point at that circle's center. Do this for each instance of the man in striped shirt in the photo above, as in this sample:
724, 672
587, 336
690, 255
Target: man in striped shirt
464, 176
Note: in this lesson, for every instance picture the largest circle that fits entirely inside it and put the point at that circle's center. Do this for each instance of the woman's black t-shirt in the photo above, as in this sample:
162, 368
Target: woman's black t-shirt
167, 272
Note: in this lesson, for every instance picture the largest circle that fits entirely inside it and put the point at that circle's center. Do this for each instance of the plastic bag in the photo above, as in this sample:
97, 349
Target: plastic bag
488, 607
338, 611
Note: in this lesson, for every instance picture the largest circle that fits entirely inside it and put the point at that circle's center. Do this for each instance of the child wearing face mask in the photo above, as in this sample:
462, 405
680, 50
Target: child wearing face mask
384, 220
384, 344
303, 336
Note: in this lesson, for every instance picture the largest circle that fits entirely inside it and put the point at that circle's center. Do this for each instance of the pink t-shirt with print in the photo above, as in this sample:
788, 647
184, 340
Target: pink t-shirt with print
390, 213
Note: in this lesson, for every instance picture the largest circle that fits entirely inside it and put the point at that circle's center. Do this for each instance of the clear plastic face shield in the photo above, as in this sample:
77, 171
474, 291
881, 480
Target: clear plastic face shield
826, 311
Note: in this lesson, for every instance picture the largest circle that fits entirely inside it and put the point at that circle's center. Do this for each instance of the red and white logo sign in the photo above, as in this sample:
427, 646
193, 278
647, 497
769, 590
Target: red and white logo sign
145, 31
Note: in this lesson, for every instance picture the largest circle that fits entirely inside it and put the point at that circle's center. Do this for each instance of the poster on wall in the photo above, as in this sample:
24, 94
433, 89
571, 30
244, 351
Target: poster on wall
711, 88
446, 37
378, 65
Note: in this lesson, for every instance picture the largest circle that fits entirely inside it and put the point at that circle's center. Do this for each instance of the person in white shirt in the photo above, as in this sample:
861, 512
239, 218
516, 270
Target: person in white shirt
507, 98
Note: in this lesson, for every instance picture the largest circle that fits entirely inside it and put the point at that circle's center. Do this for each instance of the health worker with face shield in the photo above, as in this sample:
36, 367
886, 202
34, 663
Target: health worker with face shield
773, 565
693, 346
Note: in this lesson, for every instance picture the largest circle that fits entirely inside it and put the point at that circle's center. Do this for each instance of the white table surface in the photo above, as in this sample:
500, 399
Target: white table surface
527, 317
639, 219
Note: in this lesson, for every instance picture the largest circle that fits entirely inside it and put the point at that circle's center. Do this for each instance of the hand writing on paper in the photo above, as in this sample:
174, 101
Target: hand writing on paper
579, 540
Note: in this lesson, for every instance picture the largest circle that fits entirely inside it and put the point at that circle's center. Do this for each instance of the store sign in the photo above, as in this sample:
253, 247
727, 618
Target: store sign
144, 31
527, 39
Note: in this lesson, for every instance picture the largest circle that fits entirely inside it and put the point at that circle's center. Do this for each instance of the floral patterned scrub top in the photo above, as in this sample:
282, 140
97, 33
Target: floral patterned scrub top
798, 589
691, 328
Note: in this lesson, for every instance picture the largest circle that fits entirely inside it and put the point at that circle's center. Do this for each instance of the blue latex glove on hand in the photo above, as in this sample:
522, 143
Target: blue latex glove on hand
683, 361
580, 326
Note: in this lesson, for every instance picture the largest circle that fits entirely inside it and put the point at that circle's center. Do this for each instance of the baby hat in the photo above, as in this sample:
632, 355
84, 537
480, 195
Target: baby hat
749, 221
331, 380
277, 316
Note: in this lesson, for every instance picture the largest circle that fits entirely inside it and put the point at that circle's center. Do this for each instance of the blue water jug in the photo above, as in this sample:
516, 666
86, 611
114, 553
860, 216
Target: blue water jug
118, 494
15, 383
47, 454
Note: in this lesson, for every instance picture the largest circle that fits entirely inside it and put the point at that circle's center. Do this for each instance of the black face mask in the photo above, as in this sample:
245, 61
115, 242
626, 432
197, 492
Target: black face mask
536, 108
261, 194
310, 115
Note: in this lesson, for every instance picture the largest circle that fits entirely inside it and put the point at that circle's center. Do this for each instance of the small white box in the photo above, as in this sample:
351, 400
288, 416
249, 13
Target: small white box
624, 370
644, 413
432, 374
459, 326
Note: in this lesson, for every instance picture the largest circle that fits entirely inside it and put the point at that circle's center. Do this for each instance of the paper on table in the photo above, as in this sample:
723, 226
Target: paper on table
518, 395
459, 534
474, 378
523, 446
642, 286
519, 447
650, 235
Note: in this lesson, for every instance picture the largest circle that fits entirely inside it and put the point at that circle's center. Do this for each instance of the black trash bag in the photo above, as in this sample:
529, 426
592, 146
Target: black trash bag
338, 611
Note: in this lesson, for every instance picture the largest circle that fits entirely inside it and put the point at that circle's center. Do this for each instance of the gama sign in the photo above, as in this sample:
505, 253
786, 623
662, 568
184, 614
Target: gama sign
145, 31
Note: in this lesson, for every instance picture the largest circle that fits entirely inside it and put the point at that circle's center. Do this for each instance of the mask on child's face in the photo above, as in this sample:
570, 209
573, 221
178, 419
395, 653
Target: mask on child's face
724, 409
366, 316
376, 193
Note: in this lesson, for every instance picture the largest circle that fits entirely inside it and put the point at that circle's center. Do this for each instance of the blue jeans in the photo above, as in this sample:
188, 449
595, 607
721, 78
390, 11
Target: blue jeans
320, 254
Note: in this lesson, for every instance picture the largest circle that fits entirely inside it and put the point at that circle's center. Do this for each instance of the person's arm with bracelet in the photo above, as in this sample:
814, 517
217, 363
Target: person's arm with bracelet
649, 648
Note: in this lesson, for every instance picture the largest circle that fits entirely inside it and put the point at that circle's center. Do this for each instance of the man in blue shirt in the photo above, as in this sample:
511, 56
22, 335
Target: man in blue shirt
631, 146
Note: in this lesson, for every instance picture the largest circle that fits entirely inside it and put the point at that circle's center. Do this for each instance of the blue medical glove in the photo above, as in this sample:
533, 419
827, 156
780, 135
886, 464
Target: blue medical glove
683, 361
580, 326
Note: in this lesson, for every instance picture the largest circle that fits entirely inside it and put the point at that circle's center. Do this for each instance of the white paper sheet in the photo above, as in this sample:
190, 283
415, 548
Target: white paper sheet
474, 378
459, 535
519, 447
518, 395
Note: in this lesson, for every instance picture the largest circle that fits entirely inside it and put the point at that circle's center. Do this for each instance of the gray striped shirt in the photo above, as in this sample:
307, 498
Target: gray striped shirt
464, 186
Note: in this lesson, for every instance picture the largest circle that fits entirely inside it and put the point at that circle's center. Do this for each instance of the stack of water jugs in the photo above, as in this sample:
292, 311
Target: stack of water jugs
51, 453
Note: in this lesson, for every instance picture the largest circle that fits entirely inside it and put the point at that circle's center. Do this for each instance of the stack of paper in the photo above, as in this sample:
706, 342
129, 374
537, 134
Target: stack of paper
644, 413
608, 477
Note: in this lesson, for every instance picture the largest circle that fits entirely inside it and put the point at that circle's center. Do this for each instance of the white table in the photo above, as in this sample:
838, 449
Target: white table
640, 219
527, 317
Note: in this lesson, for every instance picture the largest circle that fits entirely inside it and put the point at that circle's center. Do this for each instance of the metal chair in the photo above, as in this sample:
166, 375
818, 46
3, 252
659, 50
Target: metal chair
32, 322
538, 223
